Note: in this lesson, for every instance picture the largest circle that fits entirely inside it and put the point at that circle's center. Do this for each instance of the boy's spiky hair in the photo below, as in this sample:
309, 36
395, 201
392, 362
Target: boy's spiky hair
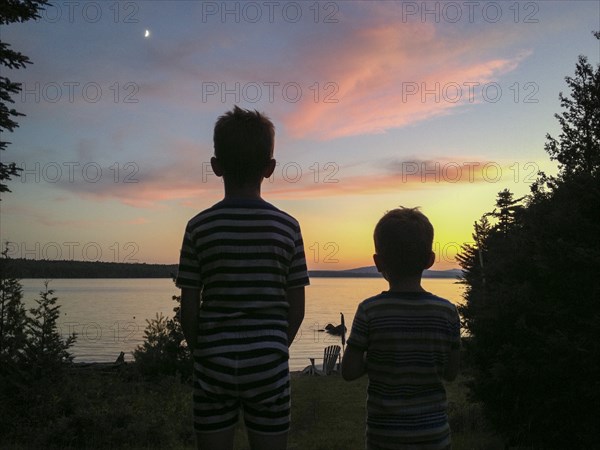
403, 239
244, 141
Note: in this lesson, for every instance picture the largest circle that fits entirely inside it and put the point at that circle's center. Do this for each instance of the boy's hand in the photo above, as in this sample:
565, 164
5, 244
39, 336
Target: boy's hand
452, 366
190, 304
295, 298
353, 363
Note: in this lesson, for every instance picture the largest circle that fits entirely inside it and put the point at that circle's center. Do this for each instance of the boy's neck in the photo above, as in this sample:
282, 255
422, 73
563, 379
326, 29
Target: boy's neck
244, 192
412, 284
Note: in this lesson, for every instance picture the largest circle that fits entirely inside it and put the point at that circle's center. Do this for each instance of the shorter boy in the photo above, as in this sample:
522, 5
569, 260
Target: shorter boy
406, 340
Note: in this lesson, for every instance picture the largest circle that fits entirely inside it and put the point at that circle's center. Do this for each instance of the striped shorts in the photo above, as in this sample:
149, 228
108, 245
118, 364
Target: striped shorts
258, 384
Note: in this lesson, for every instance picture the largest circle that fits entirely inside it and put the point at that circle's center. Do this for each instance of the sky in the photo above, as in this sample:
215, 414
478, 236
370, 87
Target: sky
439, 105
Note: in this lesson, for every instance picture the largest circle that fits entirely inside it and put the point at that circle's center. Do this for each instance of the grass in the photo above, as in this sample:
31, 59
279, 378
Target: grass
92, 409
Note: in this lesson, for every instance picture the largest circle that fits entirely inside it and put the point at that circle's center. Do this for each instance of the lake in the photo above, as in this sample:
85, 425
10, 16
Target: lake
109, 315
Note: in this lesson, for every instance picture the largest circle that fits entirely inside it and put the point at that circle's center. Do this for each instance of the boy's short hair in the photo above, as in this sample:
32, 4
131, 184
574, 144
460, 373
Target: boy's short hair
403, 239
244, 141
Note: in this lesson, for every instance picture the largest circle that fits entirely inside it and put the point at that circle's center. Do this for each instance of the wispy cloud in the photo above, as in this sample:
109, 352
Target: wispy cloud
362, 77
138, 183
392, 175
390, 76
186, 178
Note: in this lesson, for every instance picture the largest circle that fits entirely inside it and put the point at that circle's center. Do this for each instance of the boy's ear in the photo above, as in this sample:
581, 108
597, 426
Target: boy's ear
380, 266
216, 166
431, 260
270, 168
378, 263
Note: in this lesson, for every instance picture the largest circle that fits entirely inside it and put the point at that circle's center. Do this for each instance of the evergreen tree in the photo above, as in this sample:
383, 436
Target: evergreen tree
506, 209
12, 11
164, 351
533, 327
46, 349
472, 257
13, 320
577, 148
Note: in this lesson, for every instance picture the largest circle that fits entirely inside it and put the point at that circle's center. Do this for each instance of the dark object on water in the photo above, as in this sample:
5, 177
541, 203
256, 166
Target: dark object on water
121, 358
336, 330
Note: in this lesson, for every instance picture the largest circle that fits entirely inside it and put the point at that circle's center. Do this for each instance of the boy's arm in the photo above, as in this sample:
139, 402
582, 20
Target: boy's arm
295, 298
353, 363
453, 364
190, 303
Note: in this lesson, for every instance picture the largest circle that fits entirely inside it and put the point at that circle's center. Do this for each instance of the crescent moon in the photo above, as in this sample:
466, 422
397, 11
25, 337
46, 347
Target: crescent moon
147, 33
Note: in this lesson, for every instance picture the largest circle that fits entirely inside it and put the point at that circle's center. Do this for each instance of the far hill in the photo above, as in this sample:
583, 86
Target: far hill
51, 269
371, 272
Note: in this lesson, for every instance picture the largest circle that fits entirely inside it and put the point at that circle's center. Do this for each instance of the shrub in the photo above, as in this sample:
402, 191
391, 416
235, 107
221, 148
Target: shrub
164, 351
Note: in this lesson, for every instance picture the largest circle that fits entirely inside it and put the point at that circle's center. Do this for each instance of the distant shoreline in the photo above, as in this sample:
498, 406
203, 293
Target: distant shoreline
55, 269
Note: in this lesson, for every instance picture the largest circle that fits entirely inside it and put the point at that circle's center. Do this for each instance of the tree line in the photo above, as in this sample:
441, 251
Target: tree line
49, 269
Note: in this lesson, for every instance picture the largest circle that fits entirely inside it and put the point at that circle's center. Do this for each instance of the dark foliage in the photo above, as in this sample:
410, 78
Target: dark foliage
46, 350
12, 11
164, 350
13, 322
32, 351
576, 148
532, 297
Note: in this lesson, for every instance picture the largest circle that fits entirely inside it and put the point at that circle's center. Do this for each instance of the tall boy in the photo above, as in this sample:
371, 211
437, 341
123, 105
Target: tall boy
242, 274
406, 340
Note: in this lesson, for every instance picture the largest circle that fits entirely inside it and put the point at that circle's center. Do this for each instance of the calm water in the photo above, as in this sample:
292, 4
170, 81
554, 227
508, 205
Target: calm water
109, 315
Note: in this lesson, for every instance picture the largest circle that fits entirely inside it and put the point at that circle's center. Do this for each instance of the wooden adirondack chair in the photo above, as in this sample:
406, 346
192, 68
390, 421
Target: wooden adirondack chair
330, 357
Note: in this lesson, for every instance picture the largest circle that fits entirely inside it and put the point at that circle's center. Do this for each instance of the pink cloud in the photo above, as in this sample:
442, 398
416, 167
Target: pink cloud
370, 66
181, 174
379, 75
186, 178
413, 174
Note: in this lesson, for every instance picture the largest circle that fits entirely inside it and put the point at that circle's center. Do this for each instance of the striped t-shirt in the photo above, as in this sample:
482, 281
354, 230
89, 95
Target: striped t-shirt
243, 254
407, 338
